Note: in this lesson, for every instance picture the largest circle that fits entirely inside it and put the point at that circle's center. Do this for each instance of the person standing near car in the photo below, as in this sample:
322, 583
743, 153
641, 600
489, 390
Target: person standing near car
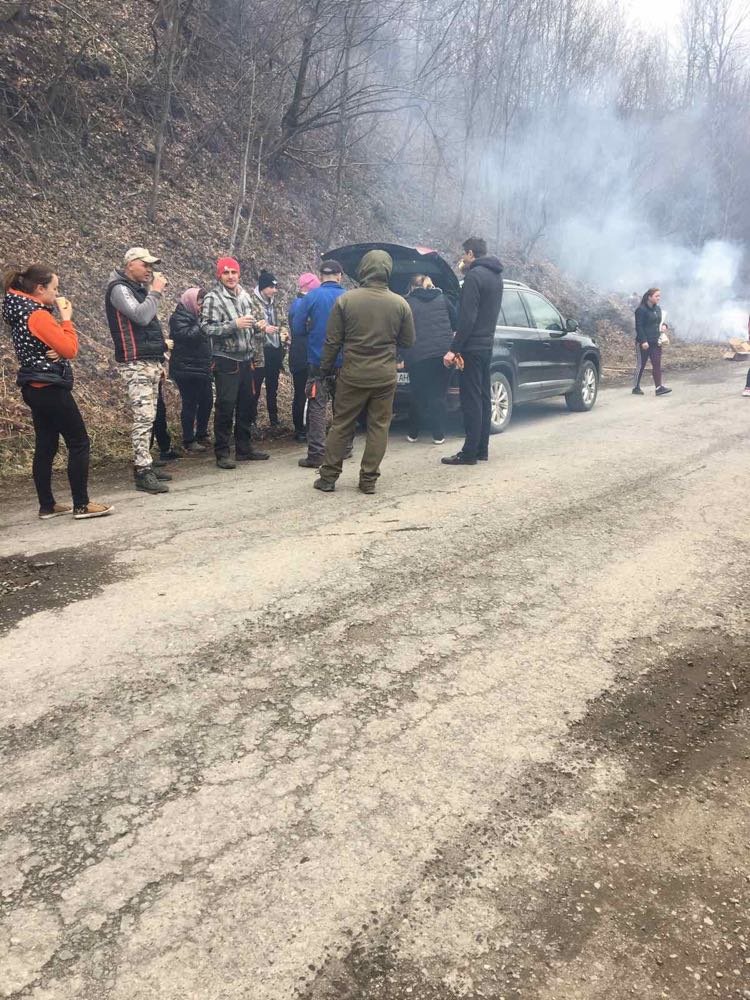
434, 323
190, 369
269, 316
298, 366
370, 324
649, 332
132, 302
44, 348
236, 338
478, 310
310, 324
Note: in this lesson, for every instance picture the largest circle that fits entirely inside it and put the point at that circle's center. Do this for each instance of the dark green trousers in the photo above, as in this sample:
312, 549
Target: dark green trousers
377, 401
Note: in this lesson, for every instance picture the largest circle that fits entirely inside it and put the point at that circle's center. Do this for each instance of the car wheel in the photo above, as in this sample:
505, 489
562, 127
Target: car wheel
583, 396
501, 402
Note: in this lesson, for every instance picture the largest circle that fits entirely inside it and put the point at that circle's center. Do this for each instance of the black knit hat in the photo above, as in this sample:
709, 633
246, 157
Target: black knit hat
266, 280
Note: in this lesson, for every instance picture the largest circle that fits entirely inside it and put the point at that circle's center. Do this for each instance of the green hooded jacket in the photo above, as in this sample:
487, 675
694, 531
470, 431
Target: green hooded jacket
370, 324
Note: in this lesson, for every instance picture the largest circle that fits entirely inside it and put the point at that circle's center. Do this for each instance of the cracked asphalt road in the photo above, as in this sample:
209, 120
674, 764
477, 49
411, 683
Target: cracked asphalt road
260, 742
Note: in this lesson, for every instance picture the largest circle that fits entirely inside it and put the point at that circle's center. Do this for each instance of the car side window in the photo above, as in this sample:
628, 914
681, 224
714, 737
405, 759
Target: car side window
544, 314
513, 310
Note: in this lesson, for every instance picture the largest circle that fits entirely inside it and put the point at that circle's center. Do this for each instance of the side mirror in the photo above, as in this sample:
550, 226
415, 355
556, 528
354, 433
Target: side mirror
571, 326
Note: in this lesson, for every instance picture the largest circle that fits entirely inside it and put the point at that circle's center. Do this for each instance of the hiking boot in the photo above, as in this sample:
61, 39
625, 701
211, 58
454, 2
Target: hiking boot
365, 487
637, 391
57, 511
148, 482
458, 459
310, 463
324, 486
663, 391
253, 456
225, 462
193, 448
163, 477
169, 456
92, 510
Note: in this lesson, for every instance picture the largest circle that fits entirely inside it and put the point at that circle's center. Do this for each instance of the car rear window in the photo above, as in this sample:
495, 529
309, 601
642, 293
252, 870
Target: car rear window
513, 312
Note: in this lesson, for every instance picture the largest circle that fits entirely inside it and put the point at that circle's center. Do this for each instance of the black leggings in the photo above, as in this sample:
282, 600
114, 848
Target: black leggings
299, 379
54, 412
197, 403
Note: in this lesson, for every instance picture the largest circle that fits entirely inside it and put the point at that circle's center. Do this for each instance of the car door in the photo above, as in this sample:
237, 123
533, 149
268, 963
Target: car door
559, 350
516, 335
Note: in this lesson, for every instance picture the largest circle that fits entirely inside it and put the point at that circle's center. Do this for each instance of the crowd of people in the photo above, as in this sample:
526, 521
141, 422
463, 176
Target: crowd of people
226, 342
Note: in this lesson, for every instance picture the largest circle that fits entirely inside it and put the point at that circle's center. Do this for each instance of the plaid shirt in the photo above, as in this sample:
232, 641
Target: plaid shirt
218, 321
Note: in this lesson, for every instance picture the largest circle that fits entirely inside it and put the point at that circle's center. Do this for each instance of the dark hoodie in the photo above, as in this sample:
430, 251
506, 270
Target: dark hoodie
479, 306
434, 323
370, 324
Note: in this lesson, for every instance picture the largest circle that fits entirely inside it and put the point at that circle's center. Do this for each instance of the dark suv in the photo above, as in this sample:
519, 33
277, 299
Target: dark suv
537, 353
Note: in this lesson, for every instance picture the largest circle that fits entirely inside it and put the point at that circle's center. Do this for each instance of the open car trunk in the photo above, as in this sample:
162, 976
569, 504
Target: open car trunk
406, 262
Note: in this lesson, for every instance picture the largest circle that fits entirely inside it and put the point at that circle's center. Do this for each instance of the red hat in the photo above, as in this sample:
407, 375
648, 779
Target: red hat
226, 263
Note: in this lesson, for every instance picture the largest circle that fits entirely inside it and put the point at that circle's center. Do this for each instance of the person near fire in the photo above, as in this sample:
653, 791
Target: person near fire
649, 332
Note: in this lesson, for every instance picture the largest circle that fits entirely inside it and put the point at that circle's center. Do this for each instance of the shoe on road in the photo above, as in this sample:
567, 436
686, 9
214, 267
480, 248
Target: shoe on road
365, 487
163, 477
411, 440
149, 483
92, 510
438, 440
637, 391
300, 437
458, 459
324, 486
57, 511
223, 462
193, 448
169, 456
746, 391
483, 458
663, 391
253, 456
310, 463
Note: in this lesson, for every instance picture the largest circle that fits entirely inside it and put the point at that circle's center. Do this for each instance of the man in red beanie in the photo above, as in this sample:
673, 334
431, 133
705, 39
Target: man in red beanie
236, 348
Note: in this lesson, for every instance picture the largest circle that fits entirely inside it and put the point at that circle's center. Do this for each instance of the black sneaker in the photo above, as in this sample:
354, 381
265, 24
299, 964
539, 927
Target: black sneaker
663, 391
224, 462
365, 487
324, 486
253, 456
483, 458
637, 391
193, 448
169, 456
458, 459
148, 482
310, 463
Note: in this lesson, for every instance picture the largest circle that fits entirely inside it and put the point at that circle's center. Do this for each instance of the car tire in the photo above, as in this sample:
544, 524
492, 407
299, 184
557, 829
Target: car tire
501, 402
583, 396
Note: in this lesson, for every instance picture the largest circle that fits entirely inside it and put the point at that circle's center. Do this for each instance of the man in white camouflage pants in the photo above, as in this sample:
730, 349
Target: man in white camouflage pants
132, 300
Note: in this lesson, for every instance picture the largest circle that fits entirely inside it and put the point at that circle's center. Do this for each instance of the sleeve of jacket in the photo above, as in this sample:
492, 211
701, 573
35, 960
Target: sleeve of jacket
60, 337
407, 333
212, 324
468, 307
640, 332
182, 330
299, 316
138, 312
334, 338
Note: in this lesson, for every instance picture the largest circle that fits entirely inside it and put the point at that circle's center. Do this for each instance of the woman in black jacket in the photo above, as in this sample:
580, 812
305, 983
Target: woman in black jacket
649, 327
434, 323
190, 369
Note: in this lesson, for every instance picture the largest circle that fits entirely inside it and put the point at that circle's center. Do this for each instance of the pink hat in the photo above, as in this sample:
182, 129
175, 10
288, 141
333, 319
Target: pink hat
307, 281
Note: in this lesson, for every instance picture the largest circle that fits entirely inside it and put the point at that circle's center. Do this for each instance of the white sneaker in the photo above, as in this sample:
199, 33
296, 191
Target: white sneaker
411, 440
746, 392
438, 440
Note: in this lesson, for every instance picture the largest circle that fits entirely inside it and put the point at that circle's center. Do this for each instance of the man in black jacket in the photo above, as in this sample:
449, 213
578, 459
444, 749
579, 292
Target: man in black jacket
479, 307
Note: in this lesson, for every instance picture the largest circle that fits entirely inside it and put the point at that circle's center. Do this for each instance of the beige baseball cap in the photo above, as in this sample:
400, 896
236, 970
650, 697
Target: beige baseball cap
140, 253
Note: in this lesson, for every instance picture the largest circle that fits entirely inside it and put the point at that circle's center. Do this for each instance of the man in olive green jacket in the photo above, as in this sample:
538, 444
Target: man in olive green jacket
369, 324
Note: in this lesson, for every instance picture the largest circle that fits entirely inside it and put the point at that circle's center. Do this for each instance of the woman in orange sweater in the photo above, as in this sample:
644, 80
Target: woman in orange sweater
44, 346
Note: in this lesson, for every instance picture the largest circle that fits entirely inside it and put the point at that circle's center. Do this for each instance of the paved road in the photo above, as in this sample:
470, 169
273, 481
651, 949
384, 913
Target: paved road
260, 742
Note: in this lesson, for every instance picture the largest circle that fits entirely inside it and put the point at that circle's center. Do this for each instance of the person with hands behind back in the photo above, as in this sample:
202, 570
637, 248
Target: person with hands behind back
236, 339
44, 348
132, 302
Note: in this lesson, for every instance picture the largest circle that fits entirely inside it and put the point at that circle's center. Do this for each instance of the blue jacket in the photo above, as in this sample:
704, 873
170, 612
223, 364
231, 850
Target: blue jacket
311, 318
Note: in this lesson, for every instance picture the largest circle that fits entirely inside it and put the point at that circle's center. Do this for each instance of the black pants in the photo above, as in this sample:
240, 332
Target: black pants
299, 379
274, 358
428, 384
160, 431
55, 412
475, 403
197, 403
234, 406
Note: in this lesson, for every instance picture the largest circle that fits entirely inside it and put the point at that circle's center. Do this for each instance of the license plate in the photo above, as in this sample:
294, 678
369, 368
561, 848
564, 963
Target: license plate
402, 378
